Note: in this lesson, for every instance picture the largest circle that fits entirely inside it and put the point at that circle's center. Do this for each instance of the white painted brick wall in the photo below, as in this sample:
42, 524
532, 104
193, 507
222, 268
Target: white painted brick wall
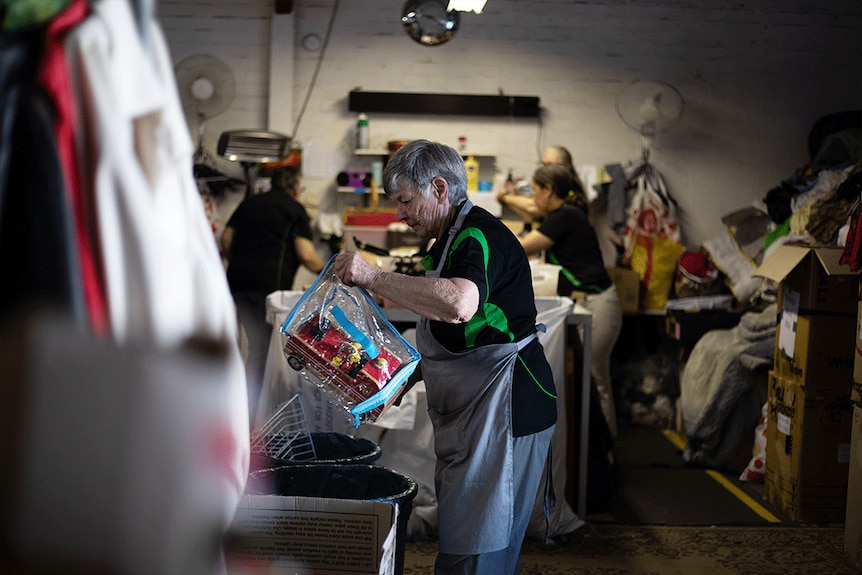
756, 76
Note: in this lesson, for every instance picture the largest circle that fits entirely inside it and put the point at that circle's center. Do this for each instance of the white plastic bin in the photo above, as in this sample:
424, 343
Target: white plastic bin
545, 279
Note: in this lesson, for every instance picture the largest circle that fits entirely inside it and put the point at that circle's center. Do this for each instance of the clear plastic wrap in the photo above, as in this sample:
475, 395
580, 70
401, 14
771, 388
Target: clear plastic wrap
338, 338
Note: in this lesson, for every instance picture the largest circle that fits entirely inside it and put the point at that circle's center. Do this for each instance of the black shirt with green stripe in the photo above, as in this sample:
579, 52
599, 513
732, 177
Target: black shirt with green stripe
576, 249
487, 253
263, 257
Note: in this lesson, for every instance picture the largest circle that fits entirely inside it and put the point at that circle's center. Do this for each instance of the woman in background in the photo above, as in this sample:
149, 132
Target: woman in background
526, 208
568, 239
265, 241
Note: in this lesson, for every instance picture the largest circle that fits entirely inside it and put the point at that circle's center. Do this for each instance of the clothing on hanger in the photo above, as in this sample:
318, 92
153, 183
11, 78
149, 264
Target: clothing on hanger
38, 265
21, 14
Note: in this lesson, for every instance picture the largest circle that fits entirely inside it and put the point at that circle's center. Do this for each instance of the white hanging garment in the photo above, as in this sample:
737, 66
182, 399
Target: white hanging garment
164, 278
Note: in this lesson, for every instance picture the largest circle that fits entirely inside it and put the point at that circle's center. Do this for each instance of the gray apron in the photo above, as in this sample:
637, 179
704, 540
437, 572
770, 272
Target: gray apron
469, 402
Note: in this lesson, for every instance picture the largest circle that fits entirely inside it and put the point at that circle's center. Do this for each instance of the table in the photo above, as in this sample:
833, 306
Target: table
584, 317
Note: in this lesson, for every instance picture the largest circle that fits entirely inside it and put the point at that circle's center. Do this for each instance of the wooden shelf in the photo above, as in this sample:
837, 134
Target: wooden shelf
444, 103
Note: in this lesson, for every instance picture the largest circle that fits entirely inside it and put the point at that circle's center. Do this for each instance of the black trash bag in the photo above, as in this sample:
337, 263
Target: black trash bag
330, 448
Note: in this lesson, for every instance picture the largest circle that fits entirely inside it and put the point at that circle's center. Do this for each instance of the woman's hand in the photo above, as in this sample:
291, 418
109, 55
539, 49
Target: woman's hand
354, 270
502, 193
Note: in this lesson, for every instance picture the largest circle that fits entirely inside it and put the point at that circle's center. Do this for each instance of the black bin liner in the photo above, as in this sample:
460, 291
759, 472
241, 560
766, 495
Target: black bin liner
330, 448
355, 481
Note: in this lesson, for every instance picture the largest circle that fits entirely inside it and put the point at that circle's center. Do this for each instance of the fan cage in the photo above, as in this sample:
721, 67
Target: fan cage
650, 107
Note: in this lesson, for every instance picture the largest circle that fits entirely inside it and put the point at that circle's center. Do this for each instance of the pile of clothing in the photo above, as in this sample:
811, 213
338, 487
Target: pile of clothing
719, 399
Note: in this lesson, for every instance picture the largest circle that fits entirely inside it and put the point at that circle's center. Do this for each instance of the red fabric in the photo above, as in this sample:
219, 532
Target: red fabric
371, 219
54, 79
696, 264
852, 248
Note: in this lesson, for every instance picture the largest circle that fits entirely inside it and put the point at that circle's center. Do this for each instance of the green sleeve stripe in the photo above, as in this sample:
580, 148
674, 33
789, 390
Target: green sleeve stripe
479, 236
488, 314
571, 277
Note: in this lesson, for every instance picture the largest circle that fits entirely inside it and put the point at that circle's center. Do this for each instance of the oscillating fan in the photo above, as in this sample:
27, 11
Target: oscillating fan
650, 108
207, 88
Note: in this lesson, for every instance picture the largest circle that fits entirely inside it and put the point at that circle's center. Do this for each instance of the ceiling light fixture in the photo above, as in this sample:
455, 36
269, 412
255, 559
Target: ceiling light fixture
466, 6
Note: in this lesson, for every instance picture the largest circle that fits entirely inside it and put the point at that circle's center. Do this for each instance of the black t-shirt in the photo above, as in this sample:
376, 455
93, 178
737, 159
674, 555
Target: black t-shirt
262, 254
576, 248
489, 255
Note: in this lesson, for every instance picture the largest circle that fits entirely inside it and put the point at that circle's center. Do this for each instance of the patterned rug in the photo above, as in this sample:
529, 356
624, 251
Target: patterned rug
614, 549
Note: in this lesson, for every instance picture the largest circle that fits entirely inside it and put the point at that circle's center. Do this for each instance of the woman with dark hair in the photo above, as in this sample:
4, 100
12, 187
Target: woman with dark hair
568, 239
524, 206
560, 156
265, 242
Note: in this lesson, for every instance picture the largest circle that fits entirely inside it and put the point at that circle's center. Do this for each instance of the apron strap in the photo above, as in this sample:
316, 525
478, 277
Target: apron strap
466, 206
522, 343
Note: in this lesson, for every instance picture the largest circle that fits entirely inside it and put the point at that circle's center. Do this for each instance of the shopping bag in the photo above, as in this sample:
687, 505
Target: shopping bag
652, 241
655, 260
338, 338
651, 213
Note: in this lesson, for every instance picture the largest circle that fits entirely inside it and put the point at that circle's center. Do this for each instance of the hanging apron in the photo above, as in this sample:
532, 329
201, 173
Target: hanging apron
469, 402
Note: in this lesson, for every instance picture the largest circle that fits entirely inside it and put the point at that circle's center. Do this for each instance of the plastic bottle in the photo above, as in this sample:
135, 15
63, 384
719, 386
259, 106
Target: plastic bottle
462, 144
472, 167
362, 132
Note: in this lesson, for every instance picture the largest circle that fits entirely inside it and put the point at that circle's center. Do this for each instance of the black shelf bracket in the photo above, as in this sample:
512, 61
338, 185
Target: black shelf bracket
451, 104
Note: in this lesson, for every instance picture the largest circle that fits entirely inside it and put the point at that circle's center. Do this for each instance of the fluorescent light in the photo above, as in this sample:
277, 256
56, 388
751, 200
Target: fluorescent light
466, 5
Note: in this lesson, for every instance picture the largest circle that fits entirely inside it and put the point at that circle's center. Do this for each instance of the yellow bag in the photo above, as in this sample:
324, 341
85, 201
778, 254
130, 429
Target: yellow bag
655, 260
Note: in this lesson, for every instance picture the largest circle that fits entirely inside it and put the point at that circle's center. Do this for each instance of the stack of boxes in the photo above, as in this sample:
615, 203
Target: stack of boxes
853, 521
810, 414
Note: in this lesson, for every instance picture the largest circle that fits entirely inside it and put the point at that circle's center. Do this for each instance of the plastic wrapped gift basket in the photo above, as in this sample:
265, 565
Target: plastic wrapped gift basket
338, 338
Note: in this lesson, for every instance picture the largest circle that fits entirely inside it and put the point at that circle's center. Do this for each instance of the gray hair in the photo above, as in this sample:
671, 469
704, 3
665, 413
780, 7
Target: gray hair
418, 162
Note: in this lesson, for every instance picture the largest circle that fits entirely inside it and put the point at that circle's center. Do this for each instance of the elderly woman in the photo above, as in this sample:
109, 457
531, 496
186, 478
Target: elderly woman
490, 390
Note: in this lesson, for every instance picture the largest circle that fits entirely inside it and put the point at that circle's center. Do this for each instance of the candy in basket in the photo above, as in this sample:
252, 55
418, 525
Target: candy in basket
338, 338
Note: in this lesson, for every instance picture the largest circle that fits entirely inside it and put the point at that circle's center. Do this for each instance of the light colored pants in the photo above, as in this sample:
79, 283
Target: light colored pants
607, 323
530, 454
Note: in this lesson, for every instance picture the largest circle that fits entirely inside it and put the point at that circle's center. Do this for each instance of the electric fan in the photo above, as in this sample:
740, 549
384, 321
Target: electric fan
650, 108
207, 88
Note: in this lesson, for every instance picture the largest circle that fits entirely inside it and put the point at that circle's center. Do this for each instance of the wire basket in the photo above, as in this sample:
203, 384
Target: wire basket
285, 434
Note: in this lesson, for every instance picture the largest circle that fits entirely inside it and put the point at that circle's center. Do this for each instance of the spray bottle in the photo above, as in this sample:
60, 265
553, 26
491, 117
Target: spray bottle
362, 132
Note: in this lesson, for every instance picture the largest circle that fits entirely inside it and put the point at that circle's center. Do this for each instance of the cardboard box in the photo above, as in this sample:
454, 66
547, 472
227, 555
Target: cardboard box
628, 284
309, 535
853, 520
856, 392
807, 450
817, 300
